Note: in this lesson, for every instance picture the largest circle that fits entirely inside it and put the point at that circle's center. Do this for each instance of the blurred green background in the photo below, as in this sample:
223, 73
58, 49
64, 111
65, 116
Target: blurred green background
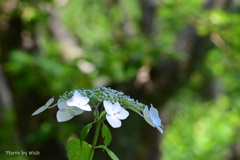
180, 55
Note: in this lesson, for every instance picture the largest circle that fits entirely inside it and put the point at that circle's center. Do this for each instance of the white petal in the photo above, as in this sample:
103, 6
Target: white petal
83, 100
113, 121
49, 102
123, 114
62, 105
71, 102
39, 110
116, 107
64, 115
77, 97
108, 107
85, 107
76, 94
77, 110
147, 116
77, 100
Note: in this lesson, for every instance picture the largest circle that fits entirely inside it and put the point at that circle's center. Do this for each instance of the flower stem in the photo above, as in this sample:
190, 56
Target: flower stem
99, 122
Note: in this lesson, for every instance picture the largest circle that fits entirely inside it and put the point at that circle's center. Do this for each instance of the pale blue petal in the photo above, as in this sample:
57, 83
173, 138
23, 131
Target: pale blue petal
43, 108
77, 110
154, 116
160, 129
153, 111
123, 114
64, 115
113, 121
156, 120
39, 110
108, 107
49, 102
147, 116
63, 105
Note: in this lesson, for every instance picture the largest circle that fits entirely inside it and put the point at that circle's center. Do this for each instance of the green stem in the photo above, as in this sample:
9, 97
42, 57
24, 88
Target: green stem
99, 122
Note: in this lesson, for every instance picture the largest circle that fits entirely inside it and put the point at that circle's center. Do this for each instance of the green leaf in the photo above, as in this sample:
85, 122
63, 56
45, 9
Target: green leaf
102, 114
84, 132
77, 151
110, 153
106, 134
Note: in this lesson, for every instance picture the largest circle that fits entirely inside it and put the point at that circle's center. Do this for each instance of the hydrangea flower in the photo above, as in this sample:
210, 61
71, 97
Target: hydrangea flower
115, 113
79, 101
152, 117
44, 107
66, 112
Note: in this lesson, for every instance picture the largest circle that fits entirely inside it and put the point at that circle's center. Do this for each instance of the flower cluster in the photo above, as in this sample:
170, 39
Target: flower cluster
115, 103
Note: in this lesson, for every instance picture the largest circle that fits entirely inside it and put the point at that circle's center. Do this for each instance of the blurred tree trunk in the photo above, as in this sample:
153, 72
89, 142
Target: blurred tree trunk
5, 95
7, 43
12, 38
148, 20
168, 75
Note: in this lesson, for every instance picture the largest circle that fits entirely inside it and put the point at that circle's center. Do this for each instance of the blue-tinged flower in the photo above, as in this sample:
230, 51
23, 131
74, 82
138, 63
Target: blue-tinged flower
66, 112
79, 101
44, 107
152, 117
115, 113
